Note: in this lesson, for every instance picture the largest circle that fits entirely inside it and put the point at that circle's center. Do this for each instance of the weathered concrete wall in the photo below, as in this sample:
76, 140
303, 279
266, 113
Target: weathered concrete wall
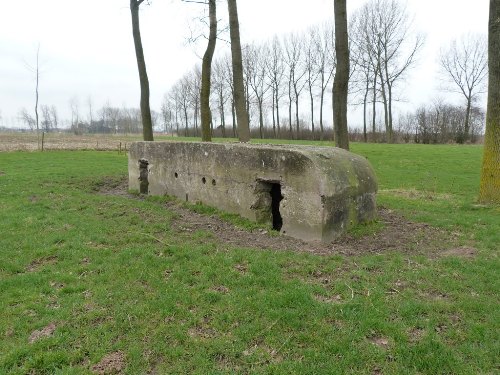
324, 189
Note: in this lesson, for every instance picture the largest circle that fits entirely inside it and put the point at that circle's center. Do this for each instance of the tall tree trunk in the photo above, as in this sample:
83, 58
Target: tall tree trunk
389, 110
274, 116
237, 62
176, 122
290, 108
147, 124
467, 118
206, 73
297, 111
261, 118
233, 117
388, 100
186, 132
222, 114
196, 109
374, 106
384, 102
247, 101
489, 191
321, 101
341, 81
365, 100
278, 113
36, 96
312, 108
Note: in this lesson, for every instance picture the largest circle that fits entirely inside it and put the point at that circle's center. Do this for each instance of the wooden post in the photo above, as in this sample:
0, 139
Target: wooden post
43, 136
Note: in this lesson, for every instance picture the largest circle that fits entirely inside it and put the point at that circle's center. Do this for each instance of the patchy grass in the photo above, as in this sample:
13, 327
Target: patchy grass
94, 283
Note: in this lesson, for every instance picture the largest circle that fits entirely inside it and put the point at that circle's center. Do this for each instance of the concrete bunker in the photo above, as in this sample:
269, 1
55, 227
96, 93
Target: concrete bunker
307, 192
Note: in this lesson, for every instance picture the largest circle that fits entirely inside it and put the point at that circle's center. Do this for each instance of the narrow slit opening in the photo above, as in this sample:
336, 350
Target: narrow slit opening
276, 198
143, 176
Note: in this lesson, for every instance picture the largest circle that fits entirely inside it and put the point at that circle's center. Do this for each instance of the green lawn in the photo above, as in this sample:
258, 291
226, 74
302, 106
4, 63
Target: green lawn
113, 276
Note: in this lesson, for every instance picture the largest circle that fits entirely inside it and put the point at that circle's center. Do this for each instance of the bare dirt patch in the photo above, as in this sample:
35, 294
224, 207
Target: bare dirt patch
415, 334
113, 363
417, 194
41, 333
397, 232
380, 341
332, 299
461, 252
40, 262
113, 186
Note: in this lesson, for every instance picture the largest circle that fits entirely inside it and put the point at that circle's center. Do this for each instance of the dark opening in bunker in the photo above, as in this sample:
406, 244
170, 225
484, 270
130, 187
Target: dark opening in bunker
143, 176
267, 203
276, 198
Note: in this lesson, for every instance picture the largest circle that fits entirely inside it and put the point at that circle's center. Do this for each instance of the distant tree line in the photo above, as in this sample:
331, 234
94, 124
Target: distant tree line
105, 120
441, 123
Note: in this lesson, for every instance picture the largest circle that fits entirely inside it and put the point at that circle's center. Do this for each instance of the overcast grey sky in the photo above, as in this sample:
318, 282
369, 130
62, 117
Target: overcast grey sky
86, 46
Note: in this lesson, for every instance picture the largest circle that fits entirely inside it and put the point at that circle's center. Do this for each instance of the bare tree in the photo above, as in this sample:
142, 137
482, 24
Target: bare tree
257, 79
91, 113
206, 72
174, 95
184, 94
47, 123
295, 74
220, 90
36, 71
114, 117
393, 38
365, 73
464, 64
167, 113
230, 82
246, 49
489, 191
75, 115
341, 81
386, 50
27, 119
312, 67
194, 85
326, 64
275, 70
147, 125
239, 89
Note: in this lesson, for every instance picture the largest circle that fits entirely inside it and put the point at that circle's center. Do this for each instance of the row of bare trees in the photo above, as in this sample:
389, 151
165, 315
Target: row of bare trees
282, 71
384, 48
277, 74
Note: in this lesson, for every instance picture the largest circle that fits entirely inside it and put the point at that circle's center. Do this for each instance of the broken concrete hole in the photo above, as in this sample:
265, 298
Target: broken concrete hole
307, 192
143, 176
276, 198
267, 203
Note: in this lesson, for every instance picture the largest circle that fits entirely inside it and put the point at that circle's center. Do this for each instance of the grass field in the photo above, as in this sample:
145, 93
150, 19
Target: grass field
95, 283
